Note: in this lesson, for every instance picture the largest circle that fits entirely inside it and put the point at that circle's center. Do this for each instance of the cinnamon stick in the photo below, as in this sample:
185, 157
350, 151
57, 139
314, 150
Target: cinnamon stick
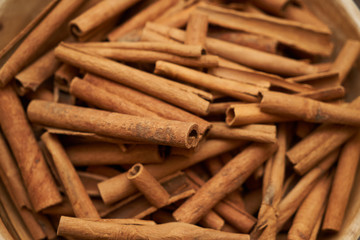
36, 73
148, 185
244, 92
242, 114
4, 233
310, 209
41, 187
342, 185
111, 154
119, 187
256, 133
94, 17
85, 229
65, 73
224, 182
166, 47
196, 29
159, 87
139, 20
124, 126
325, 94
80, 201
32, 43
308, 109
152, 104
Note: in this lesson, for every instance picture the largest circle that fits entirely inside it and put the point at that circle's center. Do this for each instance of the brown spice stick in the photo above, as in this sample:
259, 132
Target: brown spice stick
255, 59
220, 108
119, 187
273, 6
65, 73
256, 133
180, 18
80, 201
103, 99
145, 56
124, 126
325, 94
152, 104
308, 109
141, 18
242, 114
35, 74
309, 151
94, 17
167, 47
310, 209
316, 229
148, 185
346, 59
159, 87
304, 37
4, 233
40, 186
342, 185
94, 230
196, 29
290, 203
36, 38
231, 88
257, 42
111, 154
224, 182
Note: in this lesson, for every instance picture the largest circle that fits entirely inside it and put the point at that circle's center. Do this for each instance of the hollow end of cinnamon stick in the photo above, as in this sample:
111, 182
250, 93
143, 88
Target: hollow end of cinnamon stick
75, 30
230, 116
135, 171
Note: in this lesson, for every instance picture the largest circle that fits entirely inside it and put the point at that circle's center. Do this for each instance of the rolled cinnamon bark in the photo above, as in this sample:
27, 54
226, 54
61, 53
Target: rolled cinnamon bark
152, 104
180, 18
97, 15
196, 29
75, 190
148, 185
41, 187
85, 229
257, 42
256, 133
124, 126
242, 114
273, 6
166, 47
111, 154
145, 56
119, 187
309, 151
141, 18
231, 88
32, 43
310, 209
36, 73
308, 109
159, 87
290, 203
255, 59
345, 59
230, 177
220, 108
103, 99
342, 185
325, 94
65, 73
304, 37
4, 232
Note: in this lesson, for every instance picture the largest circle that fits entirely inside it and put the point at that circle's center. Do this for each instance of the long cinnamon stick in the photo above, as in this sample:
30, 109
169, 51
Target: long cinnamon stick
98, 14
148, 185
342, 185
111, 154
124, 126
152, 104
308, 109
41, 186
159, 87
80, 201
119, 187
36, 38
230, 177
85, 229
196, 29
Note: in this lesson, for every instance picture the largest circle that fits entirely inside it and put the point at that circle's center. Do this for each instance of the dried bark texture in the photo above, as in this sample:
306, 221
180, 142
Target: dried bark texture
141, 129
41, 187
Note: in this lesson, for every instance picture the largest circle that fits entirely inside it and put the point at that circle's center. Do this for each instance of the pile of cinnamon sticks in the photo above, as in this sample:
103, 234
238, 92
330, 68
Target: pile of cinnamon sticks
176, 119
